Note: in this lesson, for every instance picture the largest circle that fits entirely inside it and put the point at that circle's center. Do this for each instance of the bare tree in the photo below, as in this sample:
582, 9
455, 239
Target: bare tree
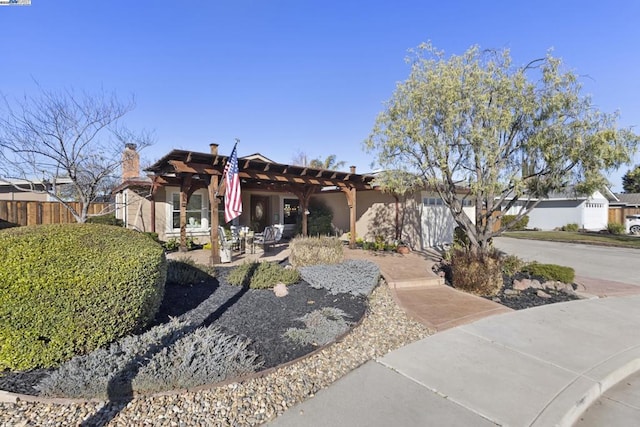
66, 135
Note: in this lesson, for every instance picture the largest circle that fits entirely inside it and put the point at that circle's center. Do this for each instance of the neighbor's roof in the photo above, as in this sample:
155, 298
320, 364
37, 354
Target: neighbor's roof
629, 198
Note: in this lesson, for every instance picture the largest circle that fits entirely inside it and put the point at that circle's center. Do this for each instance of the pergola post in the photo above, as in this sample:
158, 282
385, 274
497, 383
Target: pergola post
350, 194
214, 258
185, 185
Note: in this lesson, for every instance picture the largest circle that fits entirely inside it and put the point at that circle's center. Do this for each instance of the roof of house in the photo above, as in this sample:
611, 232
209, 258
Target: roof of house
570, 194
256, 171
629, 198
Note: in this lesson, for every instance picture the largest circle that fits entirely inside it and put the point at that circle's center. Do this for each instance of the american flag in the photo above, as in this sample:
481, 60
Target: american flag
232, 199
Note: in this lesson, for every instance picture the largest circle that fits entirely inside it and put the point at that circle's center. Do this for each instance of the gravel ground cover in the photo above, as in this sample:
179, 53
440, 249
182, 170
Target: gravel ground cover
384, 328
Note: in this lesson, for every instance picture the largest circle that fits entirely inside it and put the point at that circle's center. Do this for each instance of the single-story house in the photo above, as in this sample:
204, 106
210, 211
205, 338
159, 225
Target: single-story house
31, 191
173, 200
625, 204
590, 212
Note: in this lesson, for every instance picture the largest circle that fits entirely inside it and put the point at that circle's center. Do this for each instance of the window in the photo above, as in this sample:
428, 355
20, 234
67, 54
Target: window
195, 216
291, 211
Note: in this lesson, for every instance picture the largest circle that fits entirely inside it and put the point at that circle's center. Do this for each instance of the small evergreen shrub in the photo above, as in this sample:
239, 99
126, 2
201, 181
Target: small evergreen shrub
357, 277
318, 221
511, 264
615, 228
570, 227
262, 275
479, 274
520, 225
109, 219
66, 289
315, 250
184, 271
153, 236
321, 327
172, 244
551, 272
169, 356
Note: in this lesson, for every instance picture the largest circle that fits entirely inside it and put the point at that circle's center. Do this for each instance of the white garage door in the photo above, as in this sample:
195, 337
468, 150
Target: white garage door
438, 223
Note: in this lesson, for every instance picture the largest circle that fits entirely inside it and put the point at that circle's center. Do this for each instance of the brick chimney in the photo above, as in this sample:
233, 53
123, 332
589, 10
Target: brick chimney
130, 162
352, 169
214, 149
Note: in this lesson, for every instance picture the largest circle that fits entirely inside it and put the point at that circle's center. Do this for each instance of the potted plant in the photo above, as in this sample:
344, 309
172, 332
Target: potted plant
403, 248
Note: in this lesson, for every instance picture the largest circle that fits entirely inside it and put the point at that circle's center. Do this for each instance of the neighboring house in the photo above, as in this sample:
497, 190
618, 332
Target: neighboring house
559, 209
31, 191
625, 204
272, 193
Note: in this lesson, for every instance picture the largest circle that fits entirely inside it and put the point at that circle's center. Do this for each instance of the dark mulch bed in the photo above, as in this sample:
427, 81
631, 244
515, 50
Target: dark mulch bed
529, 297
257, 314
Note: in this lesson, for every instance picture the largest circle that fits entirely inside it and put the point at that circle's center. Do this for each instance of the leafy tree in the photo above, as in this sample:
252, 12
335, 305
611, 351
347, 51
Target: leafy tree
66, 135
477, 127
328, 163
631, 180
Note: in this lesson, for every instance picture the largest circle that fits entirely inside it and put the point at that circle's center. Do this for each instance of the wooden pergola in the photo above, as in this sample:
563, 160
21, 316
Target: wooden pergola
191, 171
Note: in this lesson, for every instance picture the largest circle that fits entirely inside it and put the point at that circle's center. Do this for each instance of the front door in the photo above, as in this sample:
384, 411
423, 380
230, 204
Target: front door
259, 212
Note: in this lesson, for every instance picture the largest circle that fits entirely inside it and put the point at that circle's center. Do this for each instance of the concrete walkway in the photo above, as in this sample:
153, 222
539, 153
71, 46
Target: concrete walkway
536, 367
422, 294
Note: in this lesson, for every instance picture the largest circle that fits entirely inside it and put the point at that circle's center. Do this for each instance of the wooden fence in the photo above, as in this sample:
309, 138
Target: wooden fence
17, 213
617, 215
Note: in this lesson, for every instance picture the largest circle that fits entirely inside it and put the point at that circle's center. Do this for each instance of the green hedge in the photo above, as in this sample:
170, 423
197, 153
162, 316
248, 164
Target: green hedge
520, 225
551, 272
68, 289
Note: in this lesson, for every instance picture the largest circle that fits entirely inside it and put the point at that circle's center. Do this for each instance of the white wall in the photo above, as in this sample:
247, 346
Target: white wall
595, 212
590, 214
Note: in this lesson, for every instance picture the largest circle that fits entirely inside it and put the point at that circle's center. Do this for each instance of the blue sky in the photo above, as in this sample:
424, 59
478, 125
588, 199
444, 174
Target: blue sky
289, 76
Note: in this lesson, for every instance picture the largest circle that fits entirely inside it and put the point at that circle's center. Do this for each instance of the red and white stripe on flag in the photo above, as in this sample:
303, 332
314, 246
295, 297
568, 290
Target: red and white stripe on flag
232, 198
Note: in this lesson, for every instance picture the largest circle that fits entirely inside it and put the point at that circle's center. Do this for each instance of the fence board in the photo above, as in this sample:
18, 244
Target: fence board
35, 213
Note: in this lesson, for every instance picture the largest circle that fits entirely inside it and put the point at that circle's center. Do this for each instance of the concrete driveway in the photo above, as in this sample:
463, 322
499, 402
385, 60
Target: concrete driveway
589, 261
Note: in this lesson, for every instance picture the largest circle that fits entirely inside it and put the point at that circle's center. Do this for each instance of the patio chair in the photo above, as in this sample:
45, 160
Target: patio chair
266, 238
279, 230
225, 245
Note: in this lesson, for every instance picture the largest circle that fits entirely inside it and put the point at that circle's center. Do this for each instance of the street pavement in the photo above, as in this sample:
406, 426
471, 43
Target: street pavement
597, 262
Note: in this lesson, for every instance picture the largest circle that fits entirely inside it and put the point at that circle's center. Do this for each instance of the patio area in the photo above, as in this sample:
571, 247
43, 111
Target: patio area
275, 253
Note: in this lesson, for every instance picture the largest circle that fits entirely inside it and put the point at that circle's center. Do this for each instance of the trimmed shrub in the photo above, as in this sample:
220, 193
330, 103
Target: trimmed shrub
479, 274
551, 272
184, 271
511, 264
262, 275
520, 225
570, 227
315, 250
66, 289
615, 228
357, 277
109, 219
321, 327
169, 356
318, 221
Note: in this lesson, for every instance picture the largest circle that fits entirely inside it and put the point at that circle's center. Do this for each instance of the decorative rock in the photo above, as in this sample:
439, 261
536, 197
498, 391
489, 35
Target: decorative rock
535, 284
280, 290
543, 294
521, 285
511, 292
